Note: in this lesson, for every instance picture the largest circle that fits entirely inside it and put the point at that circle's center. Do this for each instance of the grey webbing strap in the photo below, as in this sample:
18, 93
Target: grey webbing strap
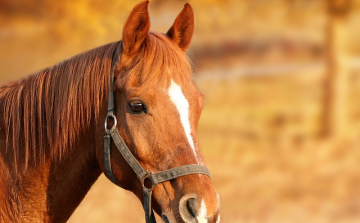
111, 106
110, 113
149, 214
180, 171
125, 152
107, 157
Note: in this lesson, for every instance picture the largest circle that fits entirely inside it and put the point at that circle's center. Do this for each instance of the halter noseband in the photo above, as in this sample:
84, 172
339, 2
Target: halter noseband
143, 175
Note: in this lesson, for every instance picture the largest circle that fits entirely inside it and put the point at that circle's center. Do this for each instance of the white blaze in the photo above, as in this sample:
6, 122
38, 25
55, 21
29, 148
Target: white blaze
202, 213
218, 219
182, 105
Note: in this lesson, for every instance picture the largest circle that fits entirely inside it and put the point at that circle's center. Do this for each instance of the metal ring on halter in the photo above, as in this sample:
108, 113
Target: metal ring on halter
106, 122
147, 176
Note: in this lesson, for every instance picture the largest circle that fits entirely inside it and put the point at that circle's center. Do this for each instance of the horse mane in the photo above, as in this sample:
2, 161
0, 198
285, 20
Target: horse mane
42, 114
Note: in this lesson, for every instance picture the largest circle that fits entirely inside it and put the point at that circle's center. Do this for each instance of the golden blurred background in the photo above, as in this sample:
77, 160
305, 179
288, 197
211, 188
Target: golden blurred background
280, 128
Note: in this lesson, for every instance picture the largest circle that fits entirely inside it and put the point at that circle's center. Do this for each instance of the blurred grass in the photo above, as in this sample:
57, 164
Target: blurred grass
260, 136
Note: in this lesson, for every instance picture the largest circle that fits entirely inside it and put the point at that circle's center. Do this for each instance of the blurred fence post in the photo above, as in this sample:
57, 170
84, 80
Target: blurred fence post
335, 110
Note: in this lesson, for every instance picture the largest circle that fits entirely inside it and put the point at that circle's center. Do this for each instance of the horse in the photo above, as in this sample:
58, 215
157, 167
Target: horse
53, 144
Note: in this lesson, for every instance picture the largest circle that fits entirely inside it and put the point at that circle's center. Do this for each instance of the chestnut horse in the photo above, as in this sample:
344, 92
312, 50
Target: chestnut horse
52, 127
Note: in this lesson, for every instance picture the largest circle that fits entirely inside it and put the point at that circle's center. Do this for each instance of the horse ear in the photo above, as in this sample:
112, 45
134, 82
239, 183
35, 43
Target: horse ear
136, 28
183, 28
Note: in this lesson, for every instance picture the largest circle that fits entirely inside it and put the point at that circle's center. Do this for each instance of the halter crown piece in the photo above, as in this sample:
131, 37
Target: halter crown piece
143, 175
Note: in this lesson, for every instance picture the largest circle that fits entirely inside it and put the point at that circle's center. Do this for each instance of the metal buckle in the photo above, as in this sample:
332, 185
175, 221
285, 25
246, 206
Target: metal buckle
112, 116
144, 178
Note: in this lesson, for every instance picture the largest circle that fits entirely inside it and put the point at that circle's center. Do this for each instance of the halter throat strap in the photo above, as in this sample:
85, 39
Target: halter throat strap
148, 179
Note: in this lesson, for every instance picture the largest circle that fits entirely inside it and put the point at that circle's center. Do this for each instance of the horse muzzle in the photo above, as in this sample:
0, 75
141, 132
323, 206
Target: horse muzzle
194, 210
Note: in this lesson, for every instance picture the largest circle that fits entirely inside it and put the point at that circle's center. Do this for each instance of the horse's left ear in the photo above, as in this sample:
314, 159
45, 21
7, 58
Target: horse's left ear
183, 28
136, 28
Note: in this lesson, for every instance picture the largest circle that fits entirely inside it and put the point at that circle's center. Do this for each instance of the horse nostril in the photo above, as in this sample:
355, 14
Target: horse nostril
192, 207
189, 208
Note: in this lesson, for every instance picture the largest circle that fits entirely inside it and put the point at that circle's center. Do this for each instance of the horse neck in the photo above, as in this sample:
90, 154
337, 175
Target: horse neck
71, 180
50, 191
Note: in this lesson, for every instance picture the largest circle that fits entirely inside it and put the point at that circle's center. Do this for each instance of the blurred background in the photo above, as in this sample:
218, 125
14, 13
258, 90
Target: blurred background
281, 126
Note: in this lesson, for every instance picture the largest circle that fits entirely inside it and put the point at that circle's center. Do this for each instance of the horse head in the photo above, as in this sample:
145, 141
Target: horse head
158, 107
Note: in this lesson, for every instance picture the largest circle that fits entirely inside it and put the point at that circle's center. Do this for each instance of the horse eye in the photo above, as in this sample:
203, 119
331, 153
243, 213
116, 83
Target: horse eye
137, 106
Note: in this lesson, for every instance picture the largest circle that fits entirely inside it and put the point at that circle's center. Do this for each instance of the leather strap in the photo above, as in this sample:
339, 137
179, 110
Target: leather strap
107, 157
156, 178
176, 172
110, 113
125, 152
149, 213
111, 106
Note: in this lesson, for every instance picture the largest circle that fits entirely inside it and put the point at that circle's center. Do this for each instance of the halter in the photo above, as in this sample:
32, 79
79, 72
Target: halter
152, 179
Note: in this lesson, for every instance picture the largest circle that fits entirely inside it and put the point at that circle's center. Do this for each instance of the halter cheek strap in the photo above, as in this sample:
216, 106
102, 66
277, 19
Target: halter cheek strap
152, 179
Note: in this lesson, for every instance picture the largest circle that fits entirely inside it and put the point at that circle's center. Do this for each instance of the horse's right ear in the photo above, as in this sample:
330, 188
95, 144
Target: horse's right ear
136, 28
183, 29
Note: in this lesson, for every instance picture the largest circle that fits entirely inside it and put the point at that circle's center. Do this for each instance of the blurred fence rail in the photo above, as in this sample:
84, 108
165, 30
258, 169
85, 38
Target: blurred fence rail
267, 70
